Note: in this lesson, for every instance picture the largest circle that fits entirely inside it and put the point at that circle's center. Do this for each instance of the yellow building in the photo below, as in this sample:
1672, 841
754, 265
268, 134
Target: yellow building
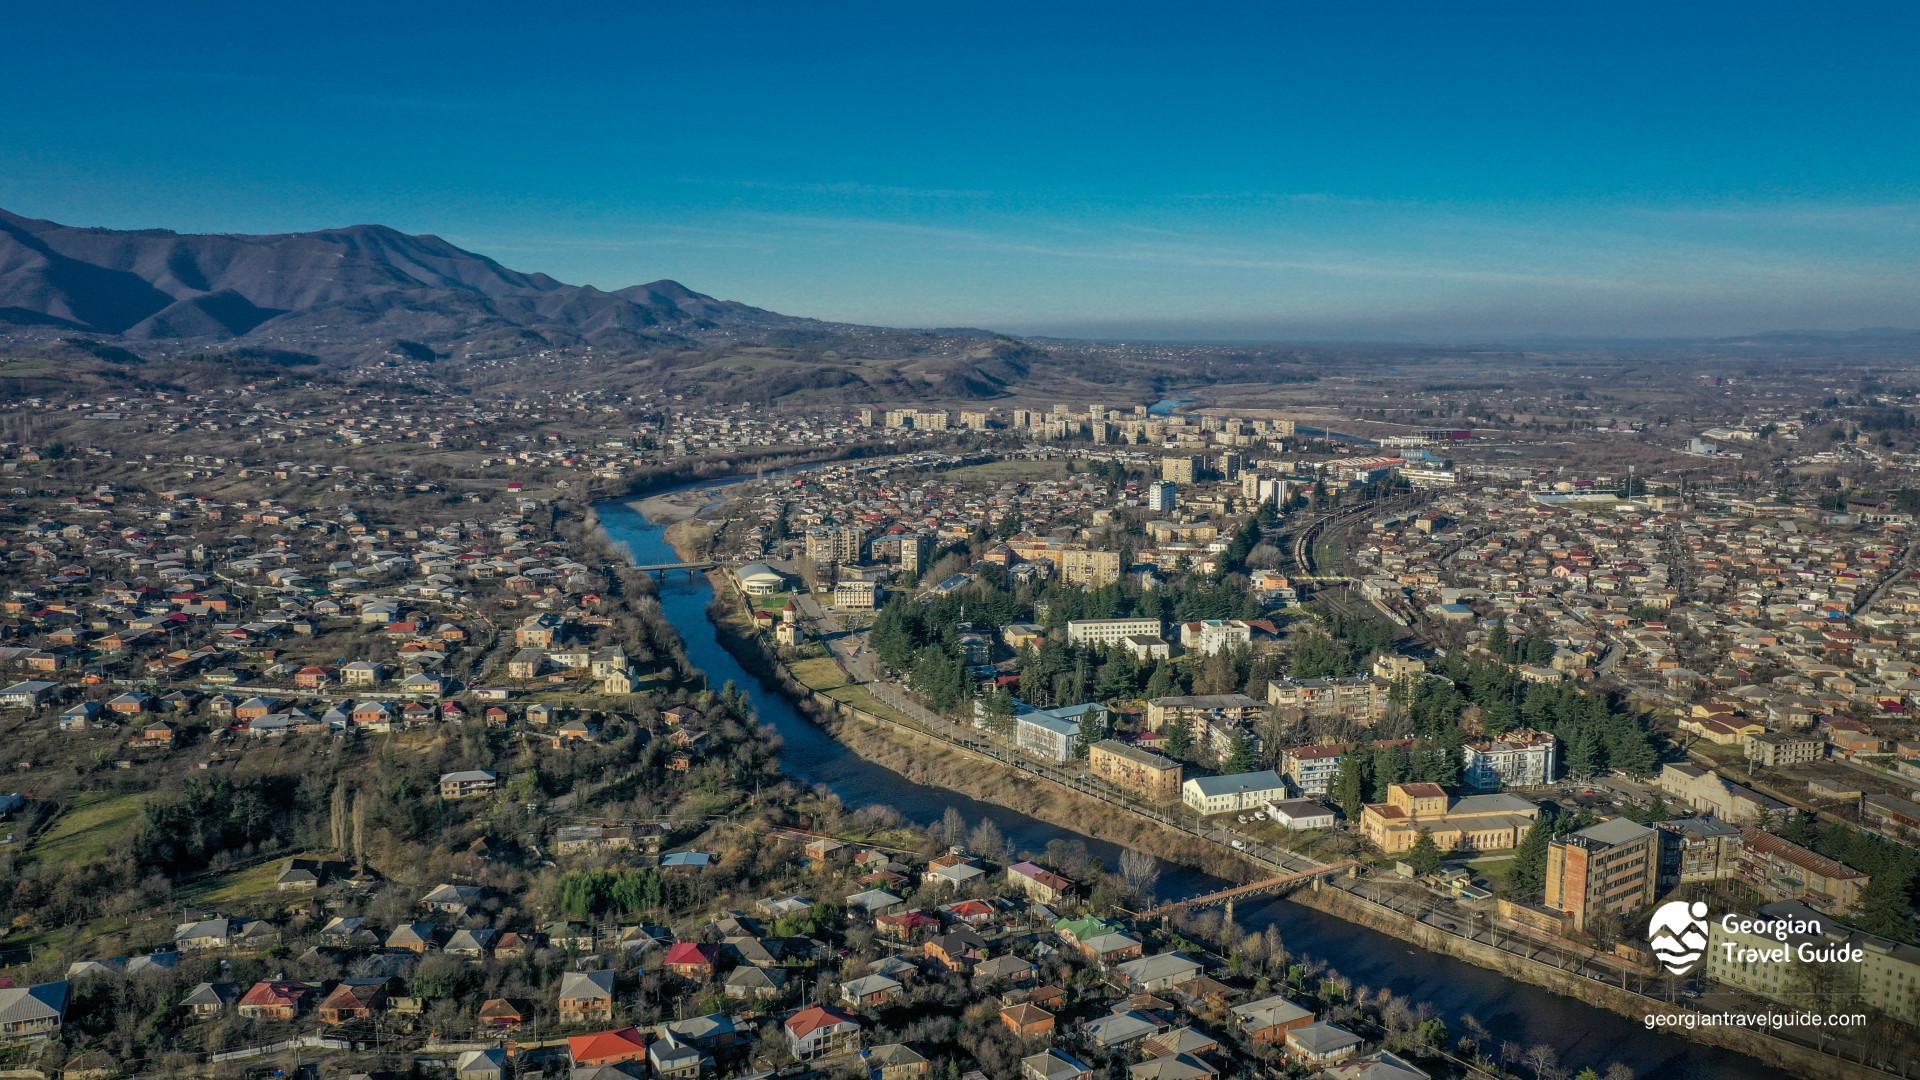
1475, 823
1143, 772
1091, 569
1180, 469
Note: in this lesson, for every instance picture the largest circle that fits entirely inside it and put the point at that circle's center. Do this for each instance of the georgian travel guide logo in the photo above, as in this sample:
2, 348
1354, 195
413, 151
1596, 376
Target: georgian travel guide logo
1678, 934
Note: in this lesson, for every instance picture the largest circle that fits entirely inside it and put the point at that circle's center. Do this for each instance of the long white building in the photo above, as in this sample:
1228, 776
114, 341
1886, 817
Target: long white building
1105, 632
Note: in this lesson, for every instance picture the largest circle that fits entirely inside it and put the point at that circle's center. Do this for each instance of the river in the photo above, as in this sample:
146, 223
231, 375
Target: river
1512, 1011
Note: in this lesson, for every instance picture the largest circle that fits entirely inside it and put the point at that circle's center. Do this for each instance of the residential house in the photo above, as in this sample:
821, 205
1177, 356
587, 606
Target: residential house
33, 1012
351, 1000
1269, 1019
1162, 971
607, 1048
1054, 1065
693, 960
819, 1032
467, 784
1321, 1044
896, 1061
586, 997
275, 999
210, 999
1027, 1020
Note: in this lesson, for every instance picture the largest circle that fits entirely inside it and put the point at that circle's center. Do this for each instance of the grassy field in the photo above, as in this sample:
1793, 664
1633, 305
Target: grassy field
775, 603
1000, 472
89, 829
861, 698
825, 676
1494, 870
819, 673
248, 884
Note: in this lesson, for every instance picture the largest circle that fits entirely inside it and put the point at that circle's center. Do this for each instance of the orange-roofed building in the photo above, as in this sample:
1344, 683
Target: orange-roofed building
608, 1047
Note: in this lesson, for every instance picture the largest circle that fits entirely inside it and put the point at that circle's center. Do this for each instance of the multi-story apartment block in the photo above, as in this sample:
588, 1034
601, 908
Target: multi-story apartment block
1051, 734
1209, 636
1360, 697
1090, 569
914, 549
1311, 769
1773, 749
1201, 709
1162, 496
1696, 849
1104, 632
835, 544
1885, 978
1180, 468
1522, 757
1785, 870
1612, 867
1891, 813
1143, 772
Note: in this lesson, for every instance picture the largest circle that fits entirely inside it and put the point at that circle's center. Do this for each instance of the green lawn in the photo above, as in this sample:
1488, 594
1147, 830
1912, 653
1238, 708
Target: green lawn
775, 603
89, 828
1494, 870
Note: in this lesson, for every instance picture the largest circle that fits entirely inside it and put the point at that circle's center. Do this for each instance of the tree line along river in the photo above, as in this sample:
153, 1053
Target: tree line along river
1511, 1011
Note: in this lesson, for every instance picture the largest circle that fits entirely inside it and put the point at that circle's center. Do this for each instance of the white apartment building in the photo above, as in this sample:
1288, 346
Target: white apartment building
1104, 632
1522, 757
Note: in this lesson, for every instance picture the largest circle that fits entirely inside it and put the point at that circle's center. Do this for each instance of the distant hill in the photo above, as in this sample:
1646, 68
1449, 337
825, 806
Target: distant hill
327, 292
185, 309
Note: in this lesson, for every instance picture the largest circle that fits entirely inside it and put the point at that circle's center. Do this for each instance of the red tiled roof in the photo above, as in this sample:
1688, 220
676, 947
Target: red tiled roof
809, 1020
691, 952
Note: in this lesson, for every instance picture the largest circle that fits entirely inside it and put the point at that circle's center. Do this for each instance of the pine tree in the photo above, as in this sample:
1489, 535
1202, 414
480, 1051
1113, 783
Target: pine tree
1115, 677
1390, 766
1160, 684
1349, 787
1093, 728
1884, 906
1527, 872
1239, 756
1499, 642
999, 711
1179, 738
1584, 757
1425, 856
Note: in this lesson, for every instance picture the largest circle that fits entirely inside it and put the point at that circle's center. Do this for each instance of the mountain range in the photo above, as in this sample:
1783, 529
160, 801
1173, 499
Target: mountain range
328, 291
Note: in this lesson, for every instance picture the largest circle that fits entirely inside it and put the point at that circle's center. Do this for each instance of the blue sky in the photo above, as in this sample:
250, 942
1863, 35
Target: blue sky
1424, 170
